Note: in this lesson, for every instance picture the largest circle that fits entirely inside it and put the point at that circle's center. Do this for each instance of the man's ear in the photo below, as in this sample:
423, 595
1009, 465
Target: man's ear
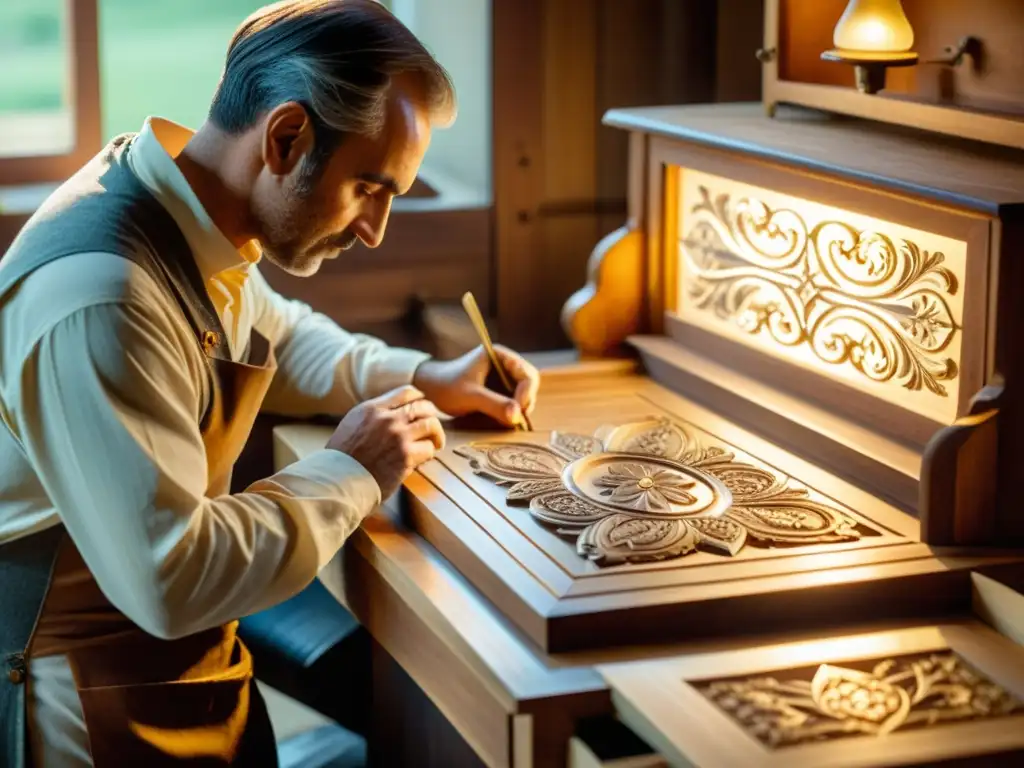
287, 136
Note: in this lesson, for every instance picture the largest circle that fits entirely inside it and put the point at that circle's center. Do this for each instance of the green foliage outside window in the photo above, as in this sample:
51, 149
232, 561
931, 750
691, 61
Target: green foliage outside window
157, 57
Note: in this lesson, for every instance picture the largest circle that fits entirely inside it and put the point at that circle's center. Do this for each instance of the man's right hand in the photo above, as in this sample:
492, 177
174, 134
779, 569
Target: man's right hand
390, 436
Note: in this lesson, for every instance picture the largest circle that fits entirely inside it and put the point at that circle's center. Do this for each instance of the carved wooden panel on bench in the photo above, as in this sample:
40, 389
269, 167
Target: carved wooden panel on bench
669, 522
652, 490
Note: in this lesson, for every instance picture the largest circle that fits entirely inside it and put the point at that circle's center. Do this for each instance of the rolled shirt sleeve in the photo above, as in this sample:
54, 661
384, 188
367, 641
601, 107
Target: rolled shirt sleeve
323, 369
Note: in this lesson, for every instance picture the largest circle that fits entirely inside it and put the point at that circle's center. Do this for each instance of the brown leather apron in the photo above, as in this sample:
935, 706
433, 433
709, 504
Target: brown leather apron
158, 702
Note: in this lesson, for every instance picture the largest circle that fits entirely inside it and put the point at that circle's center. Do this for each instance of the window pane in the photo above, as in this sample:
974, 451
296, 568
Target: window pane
163, 58
36, 117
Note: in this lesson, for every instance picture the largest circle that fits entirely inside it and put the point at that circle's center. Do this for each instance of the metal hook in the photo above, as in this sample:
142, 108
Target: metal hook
954, 54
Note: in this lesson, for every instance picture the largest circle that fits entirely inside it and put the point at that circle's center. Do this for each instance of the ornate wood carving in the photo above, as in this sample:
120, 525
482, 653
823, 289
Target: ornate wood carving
789, 708
652, 490
852, 297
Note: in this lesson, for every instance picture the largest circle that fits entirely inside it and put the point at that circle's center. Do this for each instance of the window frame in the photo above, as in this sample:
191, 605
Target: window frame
82, 37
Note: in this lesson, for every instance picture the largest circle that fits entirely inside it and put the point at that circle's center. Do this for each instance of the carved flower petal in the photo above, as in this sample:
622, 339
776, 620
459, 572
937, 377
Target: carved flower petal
655, 501
677, 495
609, 481
668, 478
627, 494
628, 471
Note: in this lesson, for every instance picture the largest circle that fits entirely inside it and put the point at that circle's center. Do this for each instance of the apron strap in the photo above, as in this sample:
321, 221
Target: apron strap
26, 567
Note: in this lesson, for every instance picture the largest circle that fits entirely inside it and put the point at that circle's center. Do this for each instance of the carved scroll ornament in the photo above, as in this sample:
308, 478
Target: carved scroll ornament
897, 694
852, 297
651, 490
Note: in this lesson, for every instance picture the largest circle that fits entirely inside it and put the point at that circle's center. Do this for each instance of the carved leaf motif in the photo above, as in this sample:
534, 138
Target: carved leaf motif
621, 538
927, 320
700, 457
747, 483
528, 489
719, 534
663, 439
513, 461
562, 508
575, 446
796, 521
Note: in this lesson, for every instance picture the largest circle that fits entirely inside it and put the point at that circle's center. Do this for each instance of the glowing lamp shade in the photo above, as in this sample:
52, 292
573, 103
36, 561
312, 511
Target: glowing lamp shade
878, 26
872, 35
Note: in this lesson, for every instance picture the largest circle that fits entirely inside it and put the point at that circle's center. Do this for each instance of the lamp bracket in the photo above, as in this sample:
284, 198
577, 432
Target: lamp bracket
953, 55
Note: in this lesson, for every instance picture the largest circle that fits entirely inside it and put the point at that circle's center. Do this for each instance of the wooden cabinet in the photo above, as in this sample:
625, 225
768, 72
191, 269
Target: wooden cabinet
847, 289
797, 412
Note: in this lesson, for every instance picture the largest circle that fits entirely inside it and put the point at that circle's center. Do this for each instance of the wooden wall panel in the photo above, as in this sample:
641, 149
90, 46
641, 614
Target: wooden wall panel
560, 176
740, 32
518, 157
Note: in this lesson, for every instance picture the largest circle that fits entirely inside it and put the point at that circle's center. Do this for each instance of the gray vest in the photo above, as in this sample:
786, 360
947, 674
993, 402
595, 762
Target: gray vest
105, 208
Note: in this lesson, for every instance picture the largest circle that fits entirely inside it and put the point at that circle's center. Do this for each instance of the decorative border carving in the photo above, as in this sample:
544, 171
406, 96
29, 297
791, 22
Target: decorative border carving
651, 490
852, 297
783, 709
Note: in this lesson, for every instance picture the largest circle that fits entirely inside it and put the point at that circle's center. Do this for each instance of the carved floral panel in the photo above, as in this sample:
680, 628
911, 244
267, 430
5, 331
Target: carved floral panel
873, 303
792, 707
653, 490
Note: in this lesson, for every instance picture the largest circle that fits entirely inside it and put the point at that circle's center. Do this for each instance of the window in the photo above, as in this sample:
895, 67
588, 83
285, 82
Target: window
163, 58
49, 89
36, 116
458, 33
166, 58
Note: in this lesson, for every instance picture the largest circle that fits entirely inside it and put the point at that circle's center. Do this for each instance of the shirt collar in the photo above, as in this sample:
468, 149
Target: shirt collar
152, 160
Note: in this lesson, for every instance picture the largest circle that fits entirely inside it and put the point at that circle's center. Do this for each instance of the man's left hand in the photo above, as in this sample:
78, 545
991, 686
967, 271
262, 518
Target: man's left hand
456, 387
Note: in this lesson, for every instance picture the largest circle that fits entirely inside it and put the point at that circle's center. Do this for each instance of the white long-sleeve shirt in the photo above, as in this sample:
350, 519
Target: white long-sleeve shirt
101, 390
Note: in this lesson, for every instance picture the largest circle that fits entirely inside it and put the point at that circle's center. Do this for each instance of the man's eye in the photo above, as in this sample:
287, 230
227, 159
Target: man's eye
363, 191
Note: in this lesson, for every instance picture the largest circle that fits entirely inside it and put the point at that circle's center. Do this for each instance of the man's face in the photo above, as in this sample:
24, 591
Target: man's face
304, 220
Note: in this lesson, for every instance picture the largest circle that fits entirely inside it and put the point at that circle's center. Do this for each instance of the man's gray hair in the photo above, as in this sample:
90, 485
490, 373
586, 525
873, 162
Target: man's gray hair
335, 57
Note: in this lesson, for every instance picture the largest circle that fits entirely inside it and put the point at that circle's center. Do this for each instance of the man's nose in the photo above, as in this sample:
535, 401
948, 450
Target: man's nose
370, 226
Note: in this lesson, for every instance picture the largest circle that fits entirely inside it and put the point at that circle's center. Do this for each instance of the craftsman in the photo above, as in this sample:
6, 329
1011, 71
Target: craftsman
138, 341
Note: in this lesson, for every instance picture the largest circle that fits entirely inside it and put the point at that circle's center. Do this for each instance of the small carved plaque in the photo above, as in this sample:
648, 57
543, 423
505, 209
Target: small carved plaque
652, 490
787, 708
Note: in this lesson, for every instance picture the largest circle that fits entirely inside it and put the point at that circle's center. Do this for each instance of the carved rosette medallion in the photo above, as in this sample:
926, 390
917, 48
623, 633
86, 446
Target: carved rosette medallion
850, 297
651, 485
786, 708
651, 490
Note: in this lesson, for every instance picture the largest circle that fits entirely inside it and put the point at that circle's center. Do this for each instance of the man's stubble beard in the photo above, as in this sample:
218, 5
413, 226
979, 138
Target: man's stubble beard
285, 241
